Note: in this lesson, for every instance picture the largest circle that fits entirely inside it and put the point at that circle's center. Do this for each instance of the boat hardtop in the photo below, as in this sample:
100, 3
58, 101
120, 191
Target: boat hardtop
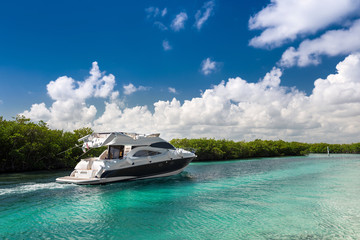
119, 138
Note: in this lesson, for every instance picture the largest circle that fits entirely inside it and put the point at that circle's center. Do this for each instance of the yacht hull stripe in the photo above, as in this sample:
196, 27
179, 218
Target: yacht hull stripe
148, 170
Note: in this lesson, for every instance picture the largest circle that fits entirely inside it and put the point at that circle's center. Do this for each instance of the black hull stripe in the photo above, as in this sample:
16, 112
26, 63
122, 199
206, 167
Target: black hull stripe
148, 170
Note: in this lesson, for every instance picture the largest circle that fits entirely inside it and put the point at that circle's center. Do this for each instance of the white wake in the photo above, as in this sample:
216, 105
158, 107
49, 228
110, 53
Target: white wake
31, 187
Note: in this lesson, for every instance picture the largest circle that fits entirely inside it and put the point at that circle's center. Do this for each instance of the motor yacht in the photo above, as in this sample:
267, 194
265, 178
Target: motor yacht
128, 156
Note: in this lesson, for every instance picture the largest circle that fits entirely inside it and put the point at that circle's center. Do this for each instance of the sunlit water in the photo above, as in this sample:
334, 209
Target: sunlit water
313, 197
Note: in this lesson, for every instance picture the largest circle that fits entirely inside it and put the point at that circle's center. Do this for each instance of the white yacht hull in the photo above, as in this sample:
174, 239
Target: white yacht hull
154, 170
129, 156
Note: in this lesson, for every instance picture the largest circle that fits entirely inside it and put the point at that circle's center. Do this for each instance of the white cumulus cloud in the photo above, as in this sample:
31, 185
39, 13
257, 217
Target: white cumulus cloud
152, 12
96, 85
38, 112
331, 43
160, 25
203, 14
237, 109
172, 90
179, 21
155, 13
233, 109
285, 20
166, 45
69, 109
164, 12
130, 89
208, 66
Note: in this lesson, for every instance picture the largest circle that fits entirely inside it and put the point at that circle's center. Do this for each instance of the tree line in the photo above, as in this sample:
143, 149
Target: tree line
211, 149
28, 146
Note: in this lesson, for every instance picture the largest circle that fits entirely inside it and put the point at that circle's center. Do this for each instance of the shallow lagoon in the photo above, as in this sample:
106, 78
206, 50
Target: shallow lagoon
312, 197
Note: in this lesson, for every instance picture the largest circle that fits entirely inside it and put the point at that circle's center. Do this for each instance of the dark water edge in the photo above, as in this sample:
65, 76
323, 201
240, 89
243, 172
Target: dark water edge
312, 197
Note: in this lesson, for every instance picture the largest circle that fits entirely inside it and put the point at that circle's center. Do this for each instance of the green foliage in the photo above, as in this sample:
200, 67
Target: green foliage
26, 146
211, 149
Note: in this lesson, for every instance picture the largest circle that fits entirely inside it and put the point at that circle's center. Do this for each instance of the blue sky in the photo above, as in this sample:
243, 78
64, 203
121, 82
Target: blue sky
161, 57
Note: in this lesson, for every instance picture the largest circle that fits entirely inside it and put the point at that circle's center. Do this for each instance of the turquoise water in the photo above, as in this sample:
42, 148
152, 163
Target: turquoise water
313, 197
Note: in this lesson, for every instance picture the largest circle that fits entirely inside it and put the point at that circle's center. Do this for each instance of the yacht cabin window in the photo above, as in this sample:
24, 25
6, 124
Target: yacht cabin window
116, 152
145, 153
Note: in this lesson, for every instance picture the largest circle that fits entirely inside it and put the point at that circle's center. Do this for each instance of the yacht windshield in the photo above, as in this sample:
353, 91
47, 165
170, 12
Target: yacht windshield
164, 145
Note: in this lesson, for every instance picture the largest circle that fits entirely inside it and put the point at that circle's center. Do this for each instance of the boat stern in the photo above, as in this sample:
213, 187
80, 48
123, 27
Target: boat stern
85, 173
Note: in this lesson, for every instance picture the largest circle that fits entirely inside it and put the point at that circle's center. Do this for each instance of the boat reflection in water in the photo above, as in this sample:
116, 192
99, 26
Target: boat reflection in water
128, 156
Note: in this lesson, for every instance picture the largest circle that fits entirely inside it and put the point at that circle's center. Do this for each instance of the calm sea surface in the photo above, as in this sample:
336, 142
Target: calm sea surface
313, 197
